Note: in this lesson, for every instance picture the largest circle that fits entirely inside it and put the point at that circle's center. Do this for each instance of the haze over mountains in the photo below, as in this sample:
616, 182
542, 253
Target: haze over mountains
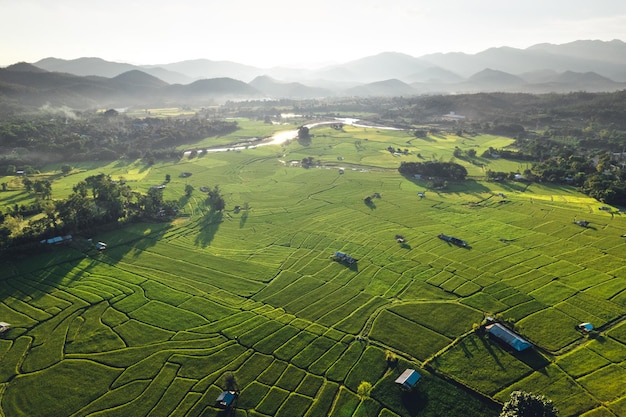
578, 66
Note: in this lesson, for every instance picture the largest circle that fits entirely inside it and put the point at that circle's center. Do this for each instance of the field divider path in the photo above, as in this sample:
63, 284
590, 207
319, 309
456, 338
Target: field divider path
581, 341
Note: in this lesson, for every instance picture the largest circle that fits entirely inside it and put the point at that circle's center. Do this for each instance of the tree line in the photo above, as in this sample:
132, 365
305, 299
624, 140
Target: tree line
441, 170
87, 136
95, 201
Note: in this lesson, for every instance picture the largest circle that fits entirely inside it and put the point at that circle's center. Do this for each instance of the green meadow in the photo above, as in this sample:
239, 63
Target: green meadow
151, 325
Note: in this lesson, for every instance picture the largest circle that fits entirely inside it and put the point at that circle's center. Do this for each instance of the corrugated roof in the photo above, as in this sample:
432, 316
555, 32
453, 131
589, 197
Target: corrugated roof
408, 378
501, 332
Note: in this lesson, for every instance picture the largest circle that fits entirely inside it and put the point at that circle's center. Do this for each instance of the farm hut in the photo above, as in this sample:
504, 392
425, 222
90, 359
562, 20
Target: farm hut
582, 223
585, 327
400, 239
225, 399
343, 257
57, 240
408, 379
341, 171
4, 326
101, 246
453, 240
508, 336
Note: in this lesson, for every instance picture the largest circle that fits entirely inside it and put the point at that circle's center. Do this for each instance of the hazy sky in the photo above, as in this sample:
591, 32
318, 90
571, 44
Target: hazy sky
291, 32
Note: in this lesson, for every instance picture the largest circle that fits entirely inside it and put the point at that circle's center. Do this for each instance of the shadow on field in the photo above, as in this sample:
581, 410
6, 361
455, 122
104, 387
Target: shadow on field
466, 351
467, 186
513, 186
489, 343
135, 240
533, 359
32, 283
414, 401
208, 227
426, 139
183, 200
242, 219
123, 163
353, 267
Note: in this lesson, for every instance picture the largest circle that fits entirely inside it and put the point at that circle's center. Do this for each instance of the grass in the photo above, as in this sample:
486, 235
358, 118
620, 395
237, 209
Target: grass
407, 336
150, 326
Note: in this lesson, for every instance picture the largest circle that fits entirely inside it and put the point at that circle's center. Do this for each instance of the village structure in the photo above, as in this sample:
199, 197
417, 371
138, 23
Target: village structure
226, 399
408, 379
343, 257
508, 336
453, 240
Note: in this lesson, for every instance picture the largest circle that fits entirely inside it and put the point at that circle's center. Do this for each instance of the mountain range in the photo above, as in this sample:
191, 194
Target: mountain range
584, 65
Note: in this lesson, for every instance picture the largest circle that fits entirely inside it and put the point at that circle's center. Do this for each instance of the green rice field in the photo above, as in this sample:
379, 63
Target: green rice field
151, 325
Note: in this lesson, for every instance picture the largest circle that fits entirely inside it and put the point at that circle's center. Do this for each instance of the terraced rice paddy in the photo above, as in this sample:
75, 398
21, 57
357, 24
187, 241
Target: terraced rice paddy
150, 326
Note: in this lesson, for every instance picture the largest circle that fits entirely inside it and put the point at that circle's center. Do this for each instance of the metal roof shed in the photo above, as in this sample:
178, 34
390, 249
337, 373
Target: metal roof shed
408, 379
226, 399
512, 339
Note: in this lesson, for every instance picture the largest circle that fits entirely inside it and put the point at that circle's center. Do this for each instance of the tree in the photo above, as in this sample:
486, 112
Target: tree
303, 133
188, 190
304, 137
391, 358
229, 382
28, 184
471, 153
364, 389
219, 204
168, 177
525, 404
65, 168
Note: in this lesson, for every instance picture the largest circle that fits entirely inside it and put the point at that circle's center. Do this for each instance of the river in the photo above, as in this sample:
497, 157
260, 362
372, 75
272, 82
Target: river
287, 135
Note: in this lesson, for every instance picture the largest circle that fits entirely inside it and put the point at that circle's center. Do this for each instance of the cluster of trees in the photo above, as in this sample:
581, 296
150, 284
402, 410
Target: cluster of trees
30, 140
458, 153
599, 174
441, 170
308, 162
95, 201
215, 199
43, 188
527, 404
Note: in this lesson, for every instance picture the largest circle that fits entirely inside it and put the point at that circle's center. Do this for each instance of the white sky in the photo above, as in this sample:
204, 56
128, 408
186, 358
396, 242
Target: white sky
268, 33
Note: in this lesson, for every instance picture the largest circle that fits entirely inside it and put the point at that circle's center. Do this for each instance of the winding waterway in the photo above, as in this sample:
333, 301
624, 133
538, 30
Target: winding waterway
287, 135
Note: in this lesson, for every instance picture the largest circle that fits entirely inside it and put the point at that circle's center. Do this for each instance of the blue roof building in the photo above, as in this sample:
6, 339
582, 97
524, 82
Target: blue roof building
408, 379
509, 337
226, 399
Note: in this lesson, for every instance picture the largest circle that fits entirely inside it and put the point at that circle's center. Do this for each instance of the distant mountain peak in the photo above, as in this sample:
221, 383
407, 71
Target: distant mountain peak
24, 67
138, 77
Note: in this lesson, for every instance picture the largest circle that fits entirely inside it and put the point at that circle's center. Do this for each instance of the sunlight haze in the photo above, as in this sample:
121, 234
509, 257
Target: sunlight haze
288, 33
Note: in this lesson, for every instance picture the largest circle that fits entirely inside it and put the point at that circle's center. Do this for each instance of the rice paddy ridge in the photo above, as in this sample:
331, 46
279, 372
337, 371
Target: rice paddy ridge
306, 333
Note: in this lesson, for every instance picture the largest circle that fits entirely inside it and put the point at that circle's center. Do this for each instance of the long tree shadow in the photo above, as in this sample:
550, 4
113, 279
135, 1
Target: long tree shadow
488, 343
243, 219
533, 359
133, 240
210, 223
